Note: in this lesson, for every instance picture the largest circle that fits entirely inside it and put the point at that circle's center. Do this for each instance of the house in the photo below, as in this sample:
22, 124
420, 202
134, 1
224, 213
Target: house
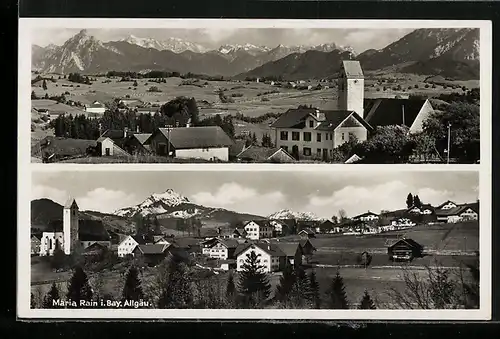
95, 107
327, 226
271, 257
236, 148
465, 212
35, 245
447, 205
227, 264
411, 112
424, 209
307, 233
308, 133
94, 249
147, 110
160, 239
400, 223
130, 102
368, 216
238, 233
307, 247
50, 148
72, 233
258, 229
285, 226
207, 245
153, 254
221, 249
264, 154
293, 252
277, 226
107, 147
405, 250
204, 142
127, 245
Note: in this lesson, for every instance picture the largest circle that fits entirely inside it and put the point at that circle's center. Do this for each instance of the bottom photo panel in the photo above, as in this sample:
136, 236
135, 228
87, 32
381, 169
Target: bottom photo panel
275, 240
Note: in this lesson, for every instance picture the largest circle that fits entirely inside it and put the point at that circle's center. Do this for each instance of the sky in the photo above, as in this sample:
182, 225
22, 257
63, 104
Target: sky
359, 39
323, 193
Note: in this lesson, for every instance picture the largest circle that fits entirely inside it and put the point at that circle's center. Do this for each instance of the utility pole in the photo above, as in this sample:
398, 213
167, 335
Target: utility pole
449, 143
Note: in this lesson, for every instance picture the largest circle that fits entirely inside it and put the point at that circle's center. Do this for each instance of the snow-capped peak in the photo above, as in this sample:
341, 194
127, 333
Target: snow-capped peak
156, 203
175, 45
225, 49
288, 214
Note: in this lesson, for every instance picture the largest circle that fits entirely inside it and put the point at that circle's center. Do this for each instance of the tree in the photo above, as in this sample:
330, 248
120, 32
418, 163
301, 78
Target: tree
58, 259
335, 219
44, 85
230, 288
342, 215
32, 301
416, 201
254, 139
79, 289
253, 282
33, 95
409, 200
287, 280
132, 289
313, 290
388, 144
52, 295
366, 302
135, 83
175, 286
338, 298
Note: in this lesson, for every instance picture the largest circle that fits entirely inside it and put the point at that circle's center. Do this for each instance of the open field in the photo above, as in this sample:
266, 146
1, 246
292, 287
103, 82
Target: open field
441, 238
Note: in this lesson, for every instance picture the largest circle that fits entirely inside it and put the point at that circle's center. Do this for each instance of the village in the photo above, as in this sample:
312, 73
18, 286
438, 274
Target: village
184, 130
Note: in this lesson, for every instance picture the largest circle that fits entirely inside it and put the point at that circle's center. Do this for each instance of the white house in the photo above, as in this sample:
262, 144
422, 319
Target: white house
425, 209
277, 226
128, 244
447, 205
108, 147
72, 234
204, 142
271, 257
402, 223
95, 107
258, 229
368, 216
222, 249
465, 212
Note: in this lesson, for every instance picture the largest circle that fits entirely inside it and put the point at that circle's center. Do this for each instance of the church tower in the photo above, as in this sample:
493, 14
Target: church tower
351, 87
70, 225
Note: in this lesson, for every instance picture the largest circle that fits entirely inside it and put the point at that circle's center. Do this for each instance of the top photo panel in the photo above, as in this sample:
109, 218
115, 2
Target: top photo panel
234, 91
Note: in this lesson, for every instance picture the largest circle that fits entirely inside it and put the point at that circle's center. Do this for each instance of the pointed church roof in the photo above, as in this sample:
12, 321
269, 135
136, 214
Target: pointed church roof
352, 69
70, 202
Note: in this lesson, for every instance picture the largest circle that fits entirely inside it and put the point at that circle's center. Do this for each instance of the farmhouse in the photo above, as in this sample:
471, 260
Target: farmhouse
95, 107
71, 233
293, 252
153, 254
465, 212
53, 148
107, 147
221, 249
424, 209
399, 223
271, 257
307, 247
147, 110
94, 249
307, 233
258, 229
204, 142
264, 154
405, 250
310, 133
327, 226
129, 244
368, 216
136, 143
446, 205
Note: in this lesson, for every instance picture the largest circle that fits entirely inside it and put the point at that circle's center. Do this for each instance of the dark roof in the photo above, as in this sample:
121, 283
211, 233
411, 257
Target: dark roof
457, 210
114, 134
196, 137
327, 223
96, 104
152, 248
303, 243
229, 243
140, 239
334, 119
410, 242
389, 111
288, 248
307, 230
259, 153
352, 69
186, 242
95, 246
293, 118
237, 147
70, 203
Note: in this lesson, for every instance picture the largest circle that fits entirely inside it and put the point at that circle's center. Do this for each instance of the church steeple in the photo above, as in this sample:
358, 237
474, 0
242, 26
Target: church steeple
351, 87
70, 225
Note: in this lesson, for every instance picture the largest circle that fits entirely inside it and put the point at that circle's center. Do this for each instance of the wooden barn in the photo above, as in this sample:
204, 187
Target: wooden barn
405, 250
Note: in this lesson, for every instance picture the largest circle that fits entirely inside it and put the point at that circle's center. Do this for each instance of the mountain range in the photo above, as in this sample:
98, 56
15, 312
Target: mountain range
168, 207
452, 53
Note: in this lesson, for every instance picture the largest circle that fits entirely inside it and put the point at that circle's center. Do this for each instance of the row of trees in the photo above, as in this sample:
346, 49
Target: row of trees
161, 75
177, 285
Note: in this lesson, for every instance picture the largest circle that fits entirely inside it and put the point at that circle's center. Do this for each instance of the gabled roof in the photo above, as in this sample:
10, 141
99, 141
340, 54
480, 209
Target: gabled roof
259, 153
141, 137
389, 111
445, 203
61, 146
457, 210
261, 223
365, 215
352, 69
410, 242
293, 118
289, 249
307, 231
114, 134
271, 249
196, 137
101, 139
152, 248
303, 243
237, 147
229, 243
334, 119
96, 104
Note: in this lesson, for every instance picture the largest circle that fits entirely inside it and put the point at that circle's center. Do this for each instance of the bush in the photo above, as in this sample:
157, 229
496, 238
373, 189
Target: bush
154, 89
237, 95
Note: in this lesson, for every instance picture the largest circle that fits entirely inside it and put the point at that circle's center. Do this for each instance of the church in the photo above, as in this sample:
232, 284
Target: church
310, 133
72, 234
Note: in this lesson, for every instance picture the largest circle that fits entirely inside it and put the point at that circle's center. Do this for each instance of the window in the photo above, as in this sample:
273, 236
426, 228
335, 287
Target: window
307, 151
285, 148
284, 135
295, 136
307, 136
326, 136
311, 123
74, 212
318, 152
318, 137
331, 136
343, 137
